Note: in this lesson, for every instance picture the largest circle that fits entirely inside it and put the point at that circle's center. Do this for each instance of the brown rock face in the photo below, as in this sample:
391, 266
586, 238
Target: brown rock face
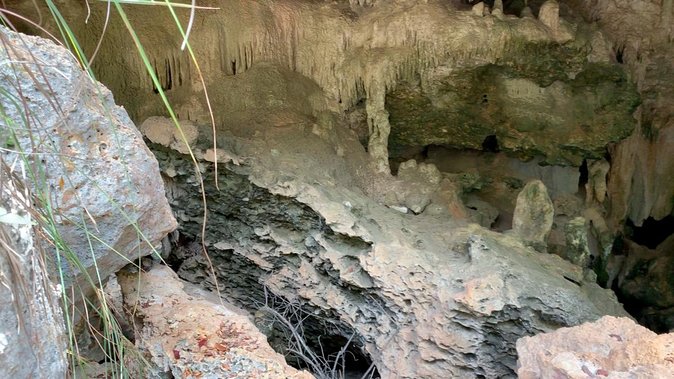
610, 347
191, 337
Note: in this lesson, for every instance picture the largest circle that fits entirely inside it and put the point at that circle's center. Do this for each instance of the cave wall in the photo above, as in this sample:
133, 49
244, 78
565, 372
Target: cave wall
567, 114
450, 299
360, 54
381, 44
641, 175
557, 93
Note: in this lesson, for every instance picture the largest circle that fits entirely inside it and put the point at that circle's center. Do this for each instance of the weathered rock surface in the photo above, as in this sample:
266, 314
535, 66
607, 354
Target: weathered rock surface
295, 217
608, 348
32, 330
450, 299
641, 179
548, 14
191, 337
578, 249
418, 183
557, 105
534, 214
101, 181
465, 64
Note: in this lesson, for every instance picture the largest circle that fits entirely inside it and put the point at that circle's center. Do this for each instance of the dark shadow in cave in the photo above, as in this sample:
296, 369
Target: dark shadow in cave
583, 178
356, 362
619, 52
643, 313
490, 144
652, 232
647, 314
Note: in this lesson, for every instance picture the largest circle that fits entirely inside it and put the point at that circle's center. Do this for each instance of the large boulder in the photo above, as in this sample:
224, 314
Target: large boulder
609, 347
188, 335
89, 164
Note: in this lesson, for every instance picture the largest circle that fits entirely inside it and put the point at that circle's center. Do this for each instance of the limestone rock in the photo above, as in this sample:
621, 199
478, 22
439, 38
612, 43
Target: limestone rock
498, 9
609, 347
526, 13
540, 104
32, 330
162, 130
641, 183
379, 128
419, 172
534, 214
441, 293
101, 177
596, 186
482, 212
182, 333
577, 248
447, 199
417, 183
548, 14
642, 178
478, 9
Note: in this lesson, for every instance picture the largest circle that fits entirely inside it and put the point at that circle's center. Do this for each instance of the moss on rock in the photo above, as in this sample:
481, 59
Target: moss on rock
543, 102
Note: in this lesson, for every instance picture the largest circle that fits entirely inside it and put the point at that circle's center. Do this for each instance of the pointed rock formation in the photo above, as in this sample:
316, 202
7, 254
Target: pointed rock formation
534, 213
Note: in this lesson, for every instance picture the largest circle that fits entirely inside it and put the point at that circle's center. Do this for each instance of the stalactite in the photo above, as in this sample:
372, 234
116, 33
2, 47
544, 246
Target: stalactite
351, 59
379, 127
666, 18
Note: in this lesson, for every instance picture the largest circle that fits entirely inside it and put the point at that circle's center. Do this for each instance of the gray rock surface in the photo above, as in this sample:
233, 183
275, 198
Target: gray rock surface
450, 299
32, 330
417, 184
103, 183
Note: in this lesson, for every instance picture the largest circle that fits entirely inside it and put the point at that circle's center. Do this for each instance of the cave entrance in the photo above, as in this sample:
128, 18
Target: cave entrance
652, 232
313, 342
316, 342
490, 144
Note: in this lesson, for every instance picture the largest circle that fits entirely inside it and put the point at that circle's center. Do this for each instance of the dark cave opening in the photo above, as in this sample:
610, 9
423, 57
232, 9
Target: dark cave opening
313, 341
316, 342
583, 178
352, 361
652, 232
490, 144
654, 318
619, 52
641, 286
